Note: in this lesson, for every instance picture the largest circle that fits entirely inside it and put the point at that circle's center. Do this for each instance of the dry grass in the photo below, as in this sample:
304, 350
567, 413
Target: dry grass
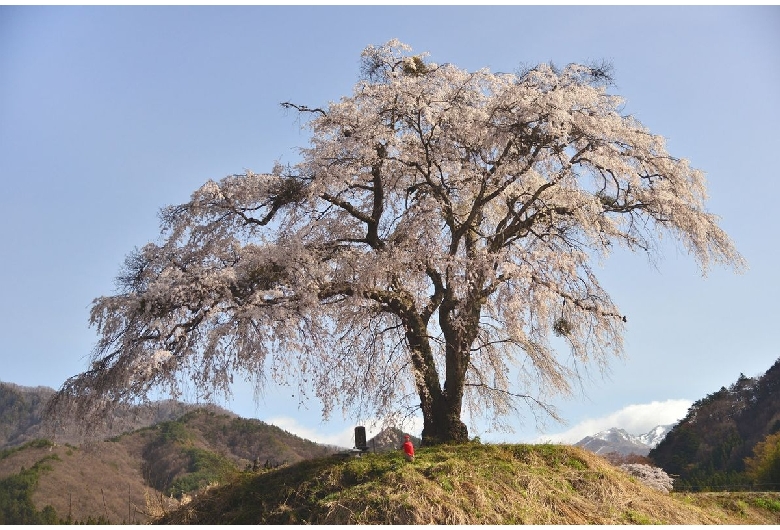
81, 483
94, 481
467, 484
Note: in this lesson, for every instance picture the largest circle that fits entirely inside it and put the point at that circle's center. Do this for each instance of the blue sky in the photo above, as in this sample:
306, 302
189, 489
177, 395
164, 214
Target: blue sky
107, 114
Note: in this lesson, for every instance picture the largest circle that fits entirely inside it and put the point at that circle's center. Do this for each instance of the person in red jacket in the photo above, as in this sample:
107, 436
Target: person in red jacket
408, 448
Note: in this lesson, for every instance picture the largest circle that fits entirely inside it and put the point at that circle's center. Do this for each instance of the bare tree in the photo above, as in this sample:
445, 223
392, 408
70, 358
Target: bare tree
439, 229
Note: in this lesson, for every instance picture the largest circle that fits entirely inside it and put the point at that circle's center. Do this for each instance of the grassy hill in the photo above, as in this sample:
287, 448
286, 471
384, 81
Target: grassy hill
466, 484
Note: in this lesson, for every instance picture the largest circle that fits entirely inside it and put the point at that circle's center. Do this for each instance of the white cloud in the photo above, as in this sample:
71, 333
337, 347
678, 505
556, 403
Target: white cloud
634, 419
342, 438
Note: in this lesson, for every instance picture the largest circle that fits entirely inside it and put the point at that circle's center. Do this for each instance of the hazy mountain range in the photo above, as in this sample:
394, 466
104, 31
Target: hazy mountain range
619, 441
168, 453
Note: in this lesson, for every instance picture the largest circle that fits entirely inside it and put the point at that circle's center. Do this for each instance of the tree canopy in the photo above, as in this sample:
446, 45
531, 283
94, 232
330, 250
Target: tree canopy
764, 466
439, 229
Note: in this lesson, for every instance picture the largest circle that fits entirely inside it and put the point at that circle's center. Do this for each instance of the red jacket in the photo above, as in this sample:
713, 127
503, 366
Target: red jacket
408, 448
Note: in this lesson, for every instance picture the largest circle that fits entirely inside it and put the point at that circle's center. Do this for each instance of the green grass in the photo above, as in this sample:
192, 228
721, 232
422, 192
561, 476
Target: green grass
38, 443
767, 503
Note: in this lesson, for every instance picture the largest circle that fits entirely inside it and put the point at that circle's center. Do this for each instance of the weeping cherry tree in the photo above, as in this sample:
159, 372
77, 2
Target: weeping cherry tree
431, 251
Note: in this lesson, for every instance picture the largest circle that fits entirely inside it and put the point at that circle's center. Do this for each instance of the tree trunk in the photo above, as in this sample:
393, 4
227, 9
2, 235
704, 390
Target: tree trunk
441, 405
443, 424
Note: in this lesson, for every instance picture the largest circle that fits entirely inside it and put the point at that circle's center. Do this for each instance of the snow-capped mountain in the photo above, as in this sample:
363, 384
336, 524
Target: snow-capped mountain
654, 437
616, 440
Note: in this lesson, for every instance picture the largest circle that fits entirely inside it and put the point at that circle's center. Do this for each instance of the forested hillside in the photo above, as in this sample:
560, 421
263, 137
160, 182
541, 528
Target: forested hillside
21, 410
132, 477
22, 417
707, 449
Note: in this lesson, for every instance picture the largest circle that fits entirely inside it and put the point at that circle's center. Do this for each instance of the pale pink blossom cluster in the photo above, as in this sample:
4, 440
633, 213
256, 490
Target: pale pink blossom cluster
655, 477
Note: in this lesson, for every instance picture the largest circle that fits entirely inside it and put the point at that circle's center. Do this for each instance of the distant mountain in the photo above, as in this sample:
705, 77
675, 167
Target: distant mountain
141, 474
21, 410
143, 461
22, 417
707, 448
656, 434
619, 441
390, 439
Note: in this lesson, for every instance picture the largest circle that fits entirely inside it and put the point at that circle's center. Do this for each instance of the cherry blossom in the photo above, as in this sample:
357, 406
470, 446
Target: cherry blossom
431, 251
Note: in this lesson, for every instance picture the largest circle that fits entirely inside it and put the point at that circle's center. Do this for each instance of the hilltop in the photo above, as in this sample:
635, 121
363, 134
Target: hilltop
464, 484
